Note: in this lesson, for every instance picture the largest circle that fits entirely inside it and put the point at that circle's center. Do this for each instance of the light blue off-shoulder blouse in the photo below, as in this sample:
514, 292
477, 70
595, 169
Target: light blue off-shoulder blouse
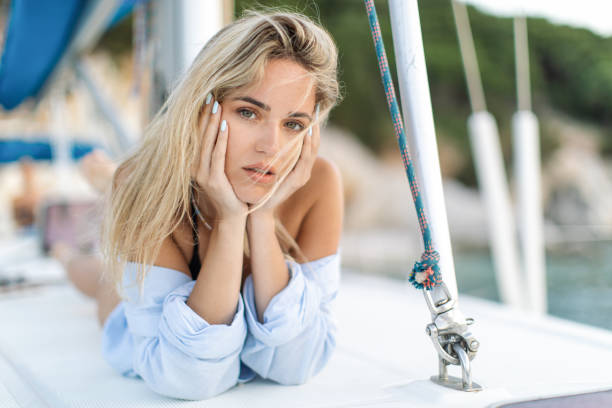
157, 337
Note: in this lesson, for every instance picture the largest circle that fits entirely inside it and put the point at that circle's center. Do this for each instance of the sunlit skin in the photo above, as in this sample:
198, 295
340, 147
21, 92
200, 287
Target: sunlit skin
263, 120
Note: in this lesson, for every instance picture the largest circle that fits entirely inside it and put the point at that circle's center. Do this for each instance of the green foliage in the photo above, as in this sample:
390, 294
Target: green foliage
575, 69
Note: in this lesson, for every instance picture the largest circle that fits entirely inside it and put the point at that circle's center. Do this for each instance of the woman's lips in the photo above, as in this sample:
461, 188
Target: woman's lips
260, 177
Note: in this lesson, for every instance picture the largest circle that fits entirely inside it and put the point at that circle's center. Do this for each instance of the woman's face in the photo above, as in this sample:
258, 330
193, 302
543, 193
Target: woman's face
263, 119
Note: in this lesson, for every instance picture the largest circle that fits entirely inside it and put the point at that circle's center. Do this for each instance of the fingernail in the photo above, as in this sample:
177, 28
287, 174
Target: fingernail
317, 112
223, 125
215, 107
310, 131
208, 98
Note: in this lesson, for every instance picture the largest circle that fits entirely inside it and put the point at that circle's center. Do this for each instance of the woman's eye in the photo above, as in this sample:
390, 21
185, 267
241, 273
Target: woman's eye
297, 126
246, 113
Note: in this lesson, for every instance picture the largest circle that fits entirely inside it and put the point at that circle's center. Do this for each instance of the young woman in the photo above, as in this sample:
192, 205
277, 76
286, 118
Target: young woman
222, 229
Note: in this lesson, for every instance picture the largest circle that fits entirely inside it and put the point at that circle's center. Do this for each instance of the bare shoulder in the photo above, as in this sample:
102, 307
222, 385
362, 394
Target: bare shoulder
324, 179
326, 175
321, 227
171, 257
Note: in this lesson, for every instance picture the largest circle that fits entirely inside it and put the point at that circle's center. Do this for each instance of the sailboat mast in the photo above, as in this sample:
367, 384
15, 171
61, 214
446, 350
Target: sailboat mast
526, 141
489, 164
418, 119
521, 52
180, 29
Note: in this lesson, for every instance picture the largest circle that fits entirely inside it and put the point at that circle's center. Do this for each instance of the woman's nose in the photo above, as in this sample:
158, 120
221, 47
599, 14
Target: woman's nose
268, 140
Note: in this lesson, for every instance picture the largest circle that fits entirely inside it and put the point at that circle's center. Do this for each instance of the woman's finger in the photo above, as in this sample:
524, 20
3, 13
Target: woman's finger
210, 136
316, 139
307, 146
303, 164
297, 176
217, 167
316, 130
206, 144
310, 147
205, 113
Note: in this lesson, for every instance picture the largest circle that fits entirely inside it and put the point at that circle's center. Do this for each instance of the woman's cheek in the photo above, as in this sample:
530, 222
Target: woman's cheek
229, 153
235, 152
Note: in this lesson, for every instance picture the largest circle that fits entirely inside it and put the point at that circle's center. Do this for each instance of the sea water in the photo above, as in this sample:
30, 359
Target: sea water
579, 281
578, 277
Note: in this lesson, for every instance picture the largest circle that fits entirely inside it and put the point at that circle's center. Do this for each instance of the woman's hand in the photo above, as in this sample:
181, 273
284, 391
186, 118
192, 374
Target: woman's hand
210, 176
300, 174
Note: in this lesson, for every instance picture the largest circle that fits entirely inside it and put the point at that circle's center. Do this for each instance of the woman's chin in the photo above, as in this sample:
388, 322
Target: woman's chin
250, 197
249, 192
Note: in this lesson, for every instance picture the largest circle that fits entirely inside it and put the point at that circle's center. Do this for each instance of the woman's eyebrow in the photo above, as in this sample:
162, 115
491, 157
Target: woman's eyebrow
253, 101
300, 115
267, 108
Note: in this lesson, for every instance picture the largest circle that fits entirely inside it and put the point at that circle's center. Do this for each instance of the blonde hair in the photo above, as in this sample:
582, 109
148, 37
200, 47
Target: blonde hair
152, 187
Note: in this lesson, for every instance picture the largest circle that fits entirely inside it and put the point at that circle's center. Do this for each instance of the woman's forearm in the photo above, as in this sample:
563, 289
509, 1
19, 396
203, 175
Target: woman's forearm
268, 268
215, 294
300, 334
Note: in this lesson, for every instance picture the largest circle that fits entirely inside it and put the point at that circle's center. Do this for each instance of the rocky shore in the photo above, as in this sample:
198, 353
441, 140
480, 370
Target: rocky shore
381, 228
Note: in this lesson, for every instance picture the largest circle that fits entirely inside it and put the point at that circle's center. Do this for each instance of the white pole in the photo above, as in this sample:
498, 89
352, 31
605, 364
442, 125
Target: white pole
182, 28
484, 138
527, 175
489, 163
521, 57
418, 119
468, 57
200, 21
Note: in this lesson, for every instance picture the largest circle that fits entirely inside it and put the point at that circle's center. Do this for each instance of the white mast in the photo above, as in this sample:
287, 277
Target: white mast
484, 137
418, 119
525, 132
449, 327
181, 28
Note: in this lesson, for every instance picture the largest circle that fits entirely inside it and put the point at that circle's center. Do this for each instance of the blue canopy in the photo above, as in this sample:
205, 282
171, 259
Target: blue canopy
38, 33
12, 150
37, 36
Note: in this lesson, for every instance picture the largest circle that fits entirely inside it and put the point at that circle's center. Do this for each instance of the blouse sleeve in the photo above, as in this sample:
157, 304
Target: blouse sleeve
298, 333
175, 351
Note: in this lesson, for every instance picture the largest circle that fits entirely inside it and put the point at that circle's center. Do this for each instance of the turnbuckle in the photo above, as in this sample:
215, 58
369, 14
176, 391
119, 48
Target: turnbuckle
450, 335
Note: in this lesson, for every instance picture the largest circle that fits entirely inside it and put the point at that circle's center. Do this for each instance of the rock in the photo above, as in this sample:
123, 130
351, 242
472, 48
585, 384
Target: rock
577, 185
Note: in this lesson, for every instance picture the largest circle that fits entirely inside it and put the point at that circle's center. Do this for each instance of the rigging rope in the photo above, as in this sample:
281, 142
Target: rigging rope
426, 273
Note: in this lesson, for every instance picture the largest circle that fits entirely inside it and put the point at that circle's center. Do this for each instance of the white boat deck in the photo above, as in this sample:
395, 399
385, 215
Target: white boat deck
50, 354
